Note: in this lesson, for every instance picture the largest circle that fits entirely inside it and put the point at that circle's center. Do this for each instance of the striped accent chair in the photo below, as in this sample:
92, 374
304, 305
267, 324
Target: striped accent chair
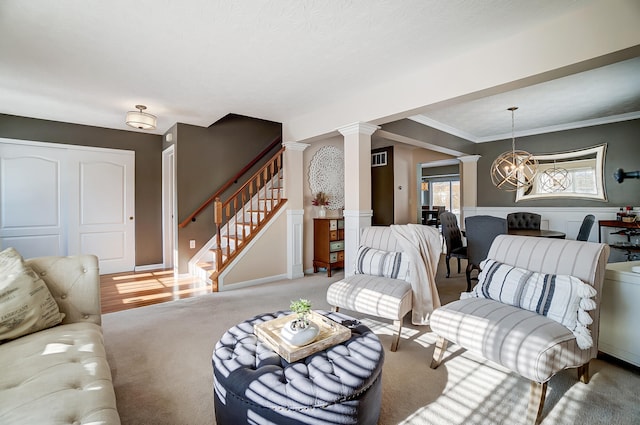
530, 344
373, 289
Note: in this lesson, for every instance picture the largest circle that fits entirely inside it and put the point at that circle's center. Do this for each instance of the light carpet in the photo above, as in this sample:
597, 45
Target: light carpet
160, 358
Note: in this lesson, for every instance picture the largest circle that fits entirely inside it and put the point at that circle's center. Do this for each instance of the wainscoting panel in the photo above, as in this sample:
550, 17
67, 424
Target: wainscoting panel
564, 219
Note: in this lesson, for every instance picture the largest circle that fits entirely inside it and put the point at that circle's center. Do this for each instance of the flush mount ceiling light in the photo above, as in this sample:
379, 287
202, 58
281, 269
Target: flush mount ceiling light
514, 169
555, 179
141, 120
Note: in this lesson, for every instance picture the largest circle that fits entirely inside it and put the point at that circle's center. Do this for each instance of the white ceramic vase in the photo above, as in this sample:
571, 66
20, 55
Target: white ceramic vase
299, 337
322, 211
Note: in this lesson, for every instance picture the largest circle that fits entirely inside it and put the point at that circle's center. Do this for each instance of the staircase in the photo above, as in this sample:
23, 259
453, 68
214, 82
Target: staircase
239, 219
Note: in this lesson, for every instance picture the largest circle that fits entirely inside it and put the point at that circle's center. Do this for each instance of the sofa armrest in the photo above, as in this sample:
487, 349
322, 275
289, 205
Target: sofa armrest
74, 283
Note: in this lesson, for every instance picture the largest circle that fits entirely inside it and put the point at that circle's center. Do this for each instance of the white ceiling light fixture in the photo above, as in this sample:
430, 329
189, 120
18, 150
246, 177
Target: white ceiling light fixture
514, 170
141, 120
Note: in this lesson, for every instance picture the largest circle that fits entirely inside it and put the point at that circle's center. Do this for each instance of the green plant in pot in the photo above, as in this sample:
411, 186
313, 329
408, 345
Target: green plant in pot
302, 308
301, 330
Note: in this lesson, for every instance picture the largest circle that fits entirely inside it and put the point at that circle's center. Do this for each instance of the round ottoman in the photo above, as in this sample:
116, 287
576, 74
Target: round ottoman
339, 385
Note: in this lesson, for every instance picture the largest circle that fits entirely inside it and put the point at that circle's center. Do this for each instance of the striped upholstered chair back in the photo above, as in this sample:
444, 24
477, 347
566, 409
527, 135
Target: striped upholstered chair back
518, 331
380, 237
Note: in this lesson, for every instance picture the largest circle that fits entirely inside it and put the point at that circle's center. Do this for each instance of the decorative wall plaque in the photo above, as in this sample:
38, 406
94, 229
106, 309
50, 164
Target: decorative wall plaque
326, 174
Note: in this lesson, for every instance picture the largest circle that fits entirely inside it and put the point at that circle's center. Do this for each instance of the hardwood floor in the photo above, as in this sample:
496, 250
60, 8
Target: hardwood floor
122, 291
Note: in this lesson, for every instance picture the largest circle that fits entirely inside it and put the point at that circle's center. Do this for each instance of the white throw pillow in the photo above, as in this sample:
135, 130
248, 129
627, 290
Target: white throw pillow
565, 299
375, 262
26, 305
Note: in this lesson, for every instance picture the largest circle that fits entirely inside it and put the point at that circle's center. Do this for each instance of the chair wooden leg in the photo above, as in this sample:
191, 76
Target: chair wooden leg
438, 352
536, 402
468, 273
396, 338
448, 269
583, 373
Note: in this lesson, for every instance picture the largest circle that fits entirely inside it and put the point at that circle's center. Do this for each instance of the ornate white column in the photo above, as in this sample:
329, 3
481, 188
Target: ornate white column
357, 187
293, 191
468, 184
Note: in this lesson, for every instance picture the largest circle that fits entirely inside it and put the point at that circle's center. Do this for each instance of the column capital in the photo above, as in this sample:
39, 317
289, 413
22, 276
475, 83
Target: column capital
358, 128
295, 146
469, 158
357, 213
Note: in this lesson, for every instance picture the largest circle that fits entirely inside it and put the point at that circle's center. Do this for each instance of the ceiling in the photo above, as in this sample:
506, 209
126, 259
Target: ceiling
195, 61
603, 95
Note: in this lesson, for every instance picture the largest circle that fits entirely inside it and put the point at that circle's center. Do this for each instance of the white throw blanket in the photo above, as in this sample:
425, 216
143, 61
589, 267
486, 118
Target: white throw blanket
423, 246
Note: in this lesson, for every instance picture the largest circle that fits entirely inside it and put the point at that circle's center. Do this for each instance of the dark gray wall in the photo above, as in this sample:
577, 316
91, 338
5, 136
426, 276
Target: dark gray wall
148, 149
623, 151
205, 159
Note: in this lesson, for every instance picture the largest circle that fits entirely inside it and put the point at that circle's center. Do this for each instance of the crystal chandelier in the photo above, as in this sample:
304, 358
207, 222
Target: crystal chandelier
514, 169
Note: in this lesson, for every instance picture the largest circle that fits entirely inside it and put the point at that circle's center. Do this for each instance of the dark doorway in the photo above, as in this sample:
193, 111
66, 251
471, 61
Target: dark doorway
382, 192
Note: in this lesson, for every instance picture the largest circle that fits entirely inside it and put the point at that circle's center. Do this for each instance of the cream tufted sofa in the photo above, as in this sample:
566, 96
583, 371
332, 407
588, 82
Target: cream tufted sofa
60, 375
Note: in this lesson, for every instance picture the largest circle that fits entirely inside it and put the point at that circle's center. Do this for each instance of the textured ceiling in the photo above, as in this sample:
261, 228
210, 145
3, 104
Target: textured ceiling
194, 61
602, 95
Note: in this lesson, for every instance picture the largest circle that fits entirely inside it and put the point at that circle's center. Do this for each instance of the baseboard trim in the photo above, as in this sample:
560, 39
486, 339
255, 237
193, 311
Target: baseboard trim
222, 287
149, 267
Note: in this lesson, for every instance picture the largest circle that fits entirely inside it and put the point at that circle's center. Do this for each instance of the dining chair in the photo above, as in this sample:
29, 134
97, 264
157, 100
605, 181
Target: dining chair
453, 239
585, 228
434, 220
480, 231
524, 220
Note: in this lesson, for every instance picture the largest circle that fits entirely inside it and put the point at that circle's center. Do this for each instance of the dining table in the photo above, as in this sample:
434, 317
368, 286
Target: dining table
540, 233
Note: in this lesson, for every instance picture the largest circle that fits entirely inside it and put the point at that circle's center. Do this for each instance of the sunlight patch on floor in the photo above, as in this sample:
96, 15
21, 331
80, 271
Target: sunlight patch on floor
480, 392
131, 276
137, 286
173, 294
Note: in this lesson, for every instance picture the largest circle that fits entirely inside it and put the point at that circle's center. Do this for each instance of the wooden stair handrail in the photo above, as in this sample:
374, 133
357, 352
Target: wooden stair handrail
252, 179
256, 195
230, 182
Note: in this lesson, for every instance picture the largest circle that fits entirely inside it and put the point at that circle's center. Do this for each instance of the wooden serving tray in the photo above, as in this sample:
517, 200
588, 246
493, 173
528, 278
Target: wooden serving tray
330, 333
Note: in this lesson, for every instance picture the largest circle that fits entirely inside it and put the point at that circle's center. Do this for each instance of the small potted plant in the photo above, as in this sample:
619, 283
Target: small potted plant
302, 308
321, 200
301, 330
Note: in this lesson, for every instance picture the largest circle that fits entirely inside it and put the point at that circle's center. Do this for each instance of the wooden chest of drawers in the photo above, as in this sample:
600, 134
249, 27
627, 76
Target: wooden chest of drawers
328, 244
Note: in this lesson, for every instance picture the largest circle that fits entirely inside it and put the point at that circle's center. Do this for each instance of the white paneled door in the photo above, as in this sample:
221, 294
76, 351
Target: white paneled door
32, 203
66, 200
